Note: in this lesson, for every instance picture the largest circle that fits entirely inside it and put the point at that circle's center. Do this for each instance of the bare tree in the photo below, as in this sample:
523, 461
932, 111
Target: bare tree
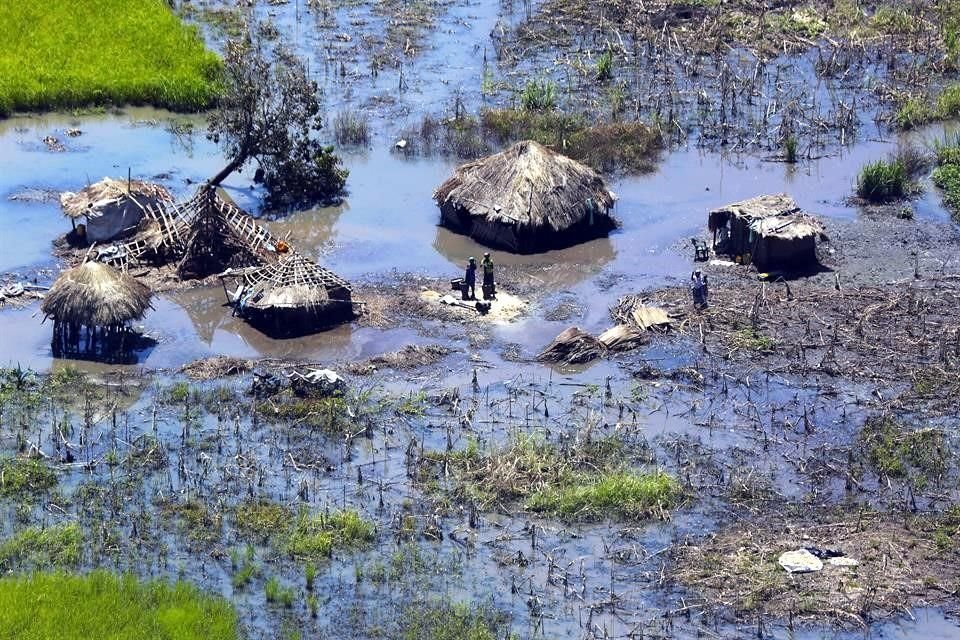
269, 112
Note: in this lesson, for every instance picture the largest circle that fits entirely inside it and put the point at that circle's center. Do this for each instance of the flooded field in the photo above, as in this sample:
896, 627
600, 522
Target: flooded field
438, 484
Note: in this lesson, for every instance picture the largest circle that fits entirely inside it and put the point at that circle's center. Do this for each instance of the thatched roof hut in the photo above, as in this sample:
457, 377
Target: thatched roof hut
770, 230
526, 199
113, 208
96, 295
293, 296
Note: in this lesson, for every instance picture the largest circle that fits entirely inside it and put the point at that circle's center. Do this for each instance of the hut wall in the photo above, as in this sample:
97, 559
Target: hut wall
292, 322
783, 253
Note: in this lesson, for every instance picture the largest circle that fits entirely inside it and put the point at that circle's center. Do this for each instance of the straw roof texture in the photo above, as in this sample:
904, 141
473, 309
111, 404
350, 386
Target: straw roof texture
769, 216
96, 295
92, 200
528, 185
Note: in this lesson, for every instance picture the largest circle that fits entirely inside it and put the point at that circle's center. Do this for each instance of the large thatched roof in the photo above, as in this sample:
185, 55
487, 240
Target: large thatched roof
94, 199
95, 294
527, 187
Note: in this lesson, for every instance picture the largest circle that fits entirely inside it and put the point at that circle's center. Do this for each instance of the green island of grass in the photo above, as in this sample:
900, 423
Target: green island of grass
58, 55
104, 605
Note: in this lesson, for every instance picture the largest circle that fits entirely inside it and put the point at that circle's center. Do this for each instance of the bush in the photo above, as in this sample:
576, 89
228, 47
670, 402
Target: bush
538, 95
882, 181
605, 66
349, 127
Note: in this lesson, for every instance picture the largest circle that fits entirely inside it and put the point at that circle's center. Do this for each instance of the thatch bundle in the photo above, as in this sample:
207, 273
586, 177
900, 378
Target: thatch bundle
96, 295
113, 208
526, 199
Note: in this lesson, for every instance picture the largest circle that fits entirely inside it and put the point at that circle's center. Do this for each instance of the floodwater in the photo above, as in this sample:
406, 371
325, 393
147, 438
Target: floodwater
386, 229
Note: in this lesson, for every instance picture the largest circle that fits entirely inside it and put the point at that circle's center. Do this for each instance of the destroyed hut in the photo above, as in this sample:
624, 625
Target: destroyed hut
111, 209
92, 306
526, 199
770, 231
294, 296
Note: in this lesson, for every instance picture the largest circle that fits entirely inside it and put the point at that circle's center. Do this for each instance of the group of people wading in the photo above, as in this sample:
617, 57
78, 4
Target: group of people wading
489, 289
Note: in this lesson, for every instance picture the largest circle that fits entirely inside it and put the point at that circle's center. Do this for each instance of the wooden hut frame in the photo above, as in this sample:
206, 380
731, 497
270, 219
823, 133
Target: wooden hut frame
290, 297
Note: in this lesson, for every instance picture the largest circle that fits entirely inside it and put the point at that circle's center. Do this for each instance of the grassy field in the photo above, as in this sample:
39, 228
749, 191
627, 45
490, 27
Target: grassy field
103, 605
55, 56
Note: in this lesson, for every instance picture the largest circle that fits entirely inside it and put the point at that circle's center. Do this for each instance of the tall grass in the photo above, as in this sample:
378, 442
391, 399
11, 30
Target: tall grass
947, 174
103, 605
882, 181
621, 493
539, 95
56, 54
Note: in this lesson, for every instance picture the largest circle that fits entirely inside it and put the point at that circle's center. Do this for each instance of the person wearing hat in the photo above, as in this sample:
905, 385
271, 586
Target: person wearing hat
470, 280
489, 291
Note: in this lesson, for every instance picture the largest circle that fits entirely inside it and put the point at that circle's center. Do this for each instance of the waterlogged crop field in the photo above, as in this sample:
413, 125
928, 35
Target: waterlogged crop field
458, 485
61, 55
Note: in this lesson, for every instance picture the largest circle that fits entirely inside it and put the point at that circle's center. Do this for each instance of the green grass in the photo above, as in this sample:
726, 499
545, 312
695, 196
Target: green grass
56, 546
450, 621
947, 174
883, 181
896, 452
23, 477
103, 605
318, 535
623, 494
539, 95
56, 56
276, 593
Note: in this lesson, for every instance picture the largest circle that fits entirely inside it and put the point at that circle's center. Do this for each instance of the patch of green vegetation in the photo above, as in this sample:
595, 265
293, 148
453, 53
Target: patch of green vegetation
104, 605
413, 405
790, 149
895, 452
883, 181
893, 20
622, 494
539, 95
262, 518
278, 594
805, 22
57, 546
749, 338
913, 112
316, 536
947, 174
329, 414
112, 52
442, 620
605, 66
25, 477
587, 482
195, 519
244, 568
623, 146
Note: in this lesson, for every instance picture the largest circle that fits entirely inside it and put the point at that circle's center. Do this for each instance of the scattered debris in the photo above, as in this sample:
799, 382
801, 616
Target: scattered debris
316, 382
800, 561
572, 346
216, 367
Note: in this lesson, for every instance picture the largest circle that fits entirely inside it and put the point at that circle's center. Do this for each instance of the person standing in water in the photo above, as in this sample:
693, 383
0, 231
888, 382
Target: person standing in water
470, 280
489, 290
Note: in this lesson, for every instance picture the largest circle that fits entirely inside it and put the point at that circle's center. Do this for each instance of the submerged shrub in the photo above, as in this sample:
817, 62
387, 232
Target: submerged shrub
882, 181
350, 128
21, 477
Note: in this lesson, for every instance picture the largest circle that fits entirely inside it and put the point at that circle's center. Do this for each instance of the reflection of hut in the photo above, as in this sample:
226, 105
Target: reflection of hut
92, 306
112, 208
771, 231
526, 199
293, 296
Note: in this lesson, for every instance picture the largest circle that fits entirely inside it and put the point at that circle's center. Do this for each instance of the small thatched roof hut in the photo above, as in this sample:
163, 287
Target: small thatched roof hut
294, 296
113, 208
526, 199
770, 230
96, 295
